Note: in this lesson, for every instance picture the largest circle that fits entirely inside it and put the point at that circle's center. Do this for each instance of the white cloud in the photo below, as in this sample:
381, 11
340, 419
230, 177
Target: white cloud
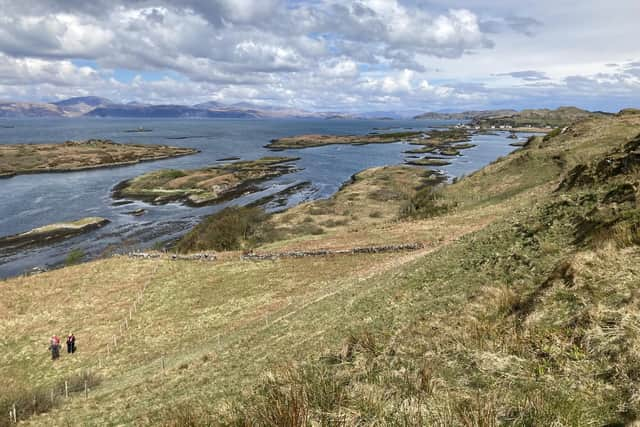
406, 53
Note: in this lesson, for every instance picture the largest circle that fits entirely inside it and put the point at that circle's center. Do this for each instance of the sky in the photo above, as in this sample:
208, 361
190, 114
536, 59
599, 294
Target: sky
325, 55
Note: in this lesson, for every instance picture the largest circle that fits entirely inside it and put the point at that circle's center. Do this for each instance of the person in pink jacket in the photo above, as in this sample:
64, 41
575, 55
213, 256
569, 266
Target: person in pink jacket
54, 346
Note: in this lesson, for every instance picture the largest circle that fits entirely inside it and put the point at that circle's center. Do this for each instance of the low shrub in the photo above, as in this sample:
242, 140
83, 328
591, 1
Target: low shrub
232, 228
426, 203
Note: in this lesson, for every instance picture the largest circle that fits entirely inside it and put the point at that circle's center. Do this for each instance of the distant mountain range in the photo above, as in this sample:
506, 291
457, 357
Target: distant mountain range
93, 106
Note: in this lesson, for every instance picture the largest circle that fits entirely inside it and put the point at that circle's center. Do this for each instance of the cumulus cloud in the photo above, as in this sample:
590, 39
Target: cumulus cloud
322, 54
529, 75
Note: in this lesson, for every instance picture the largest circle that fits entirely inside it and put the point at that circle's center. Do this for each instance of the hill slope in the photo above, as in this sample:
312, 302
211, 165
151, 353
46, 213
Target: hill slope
521, 309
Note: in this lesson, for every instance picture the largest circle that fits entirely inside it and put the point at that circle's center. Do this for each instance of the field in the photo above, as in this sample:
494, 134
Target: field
520, 309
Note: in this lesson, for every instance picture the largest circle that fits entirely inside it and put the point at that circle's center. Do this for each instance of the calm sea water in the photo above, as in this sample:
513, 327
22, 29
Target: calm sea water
30, 201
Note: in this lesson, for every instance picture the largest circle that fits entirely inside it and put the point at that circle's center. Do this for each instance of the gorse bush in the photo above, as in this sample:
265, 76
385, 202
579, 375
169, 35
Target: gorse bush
426, 203
232, 228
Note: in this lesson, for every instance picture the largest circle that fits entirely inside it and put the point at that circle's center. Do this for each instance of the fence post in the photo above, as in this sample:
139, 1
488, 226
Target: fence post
15, 414
162, 363
86, 390
115, 342
52, 398
66, 390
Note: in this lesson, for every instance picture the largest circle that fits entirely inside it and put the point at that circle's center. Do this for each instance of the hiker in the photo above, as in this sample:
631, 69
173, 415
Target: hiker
71, 343
54, 346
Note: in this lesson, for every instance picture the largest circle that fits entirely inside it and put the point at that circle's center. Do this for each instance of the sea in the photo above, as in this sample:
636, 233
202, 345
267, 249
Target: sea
30, 201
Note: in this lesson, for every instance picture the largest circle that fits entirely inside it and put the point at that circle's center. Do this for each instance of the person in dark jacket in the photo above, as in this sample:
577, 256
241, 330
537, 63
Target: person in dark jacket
54, 346
71, 343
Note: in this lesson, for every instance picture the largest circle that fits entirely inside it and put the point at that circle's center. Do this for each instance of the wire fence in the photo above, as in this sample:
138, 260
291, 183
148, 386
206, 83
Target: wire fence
43, 399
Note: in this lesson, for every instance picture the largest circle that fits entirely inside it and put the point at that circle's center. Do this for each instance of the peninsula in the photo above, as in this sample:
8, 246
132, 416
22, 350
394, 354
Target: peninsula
198, 187
72, 156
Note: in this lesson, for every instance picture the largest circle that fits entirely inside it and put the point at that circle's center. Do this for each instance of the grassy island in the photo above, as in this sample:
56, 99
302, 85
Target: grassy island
206, 185
446, 142
313, 140
429, 161
48, 233
74, 156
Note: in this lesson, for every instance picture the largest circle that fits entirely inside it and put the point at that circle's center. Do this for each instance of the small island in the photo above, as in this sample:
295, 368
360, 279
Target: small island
446, 142
197, 187
315, 140
52, 232
72, 156
429, 161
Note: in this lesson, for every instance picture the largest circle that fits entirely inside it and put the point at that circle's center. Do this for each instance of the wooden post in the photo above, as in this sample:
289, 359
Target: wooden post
52, 398
66, 390
15, 414
126, 323
130, 313
115, 342
162, 363
35, 407
86, 390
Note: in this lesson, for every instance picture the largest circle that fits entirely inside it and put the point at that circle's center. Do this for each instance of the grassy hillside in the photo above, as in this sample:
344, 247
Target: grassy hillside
520, 310
562, 116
